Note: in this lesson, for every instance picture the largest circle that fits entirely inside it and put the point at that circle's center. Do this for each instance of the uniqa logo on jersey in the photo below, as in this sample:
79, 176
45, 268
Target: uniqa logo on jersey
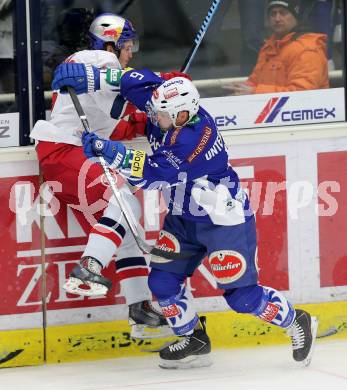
227, 266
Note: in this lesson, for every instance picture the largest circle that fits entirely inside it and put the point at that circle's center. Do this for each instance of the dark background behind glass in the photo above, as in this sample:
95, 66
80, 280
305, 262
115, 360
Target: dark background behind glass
166, 30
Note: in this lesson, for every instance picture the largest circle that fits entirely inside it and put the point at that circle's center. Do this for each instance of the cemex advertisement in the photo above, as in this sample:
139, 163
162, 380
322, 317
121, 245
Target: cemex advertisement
276, 109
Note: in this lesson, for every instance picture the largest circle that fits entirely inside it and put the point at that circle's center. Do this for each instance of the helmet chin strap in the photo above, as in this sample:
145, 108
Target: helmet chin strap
174, 125
182, 124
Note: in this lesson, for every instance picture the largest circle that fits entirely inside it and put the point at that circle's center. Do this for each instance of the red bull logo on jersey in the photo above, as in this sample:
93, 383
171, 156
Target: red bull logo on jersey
227, 266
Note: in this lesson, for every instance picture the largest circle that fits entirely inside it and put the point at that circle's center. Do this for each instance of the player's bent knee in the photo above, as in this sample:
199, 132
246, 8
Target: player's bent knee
164, 284
112, 210
244, 299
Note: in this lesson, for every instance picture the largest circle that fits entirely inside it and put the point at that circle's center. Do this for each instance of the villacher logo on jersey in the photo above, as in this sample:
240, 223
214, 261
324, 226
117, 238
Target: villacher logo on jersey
275, 105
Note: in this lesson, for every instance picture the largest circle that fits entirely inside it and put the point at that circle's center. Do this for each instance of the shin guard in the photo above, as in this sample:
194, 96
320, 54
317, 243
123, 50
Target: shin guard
265, 303
275, 308
175, 301
180, 312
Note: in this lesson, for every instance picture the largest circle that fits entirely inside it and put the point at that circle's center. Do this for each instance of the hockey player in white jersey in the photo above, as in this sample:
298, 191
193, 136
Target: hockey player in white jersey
112, 42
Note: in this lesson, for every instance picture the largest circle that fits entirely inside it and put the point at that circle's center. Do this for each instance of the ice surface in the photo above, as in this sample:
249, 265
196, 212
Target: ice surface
270, 368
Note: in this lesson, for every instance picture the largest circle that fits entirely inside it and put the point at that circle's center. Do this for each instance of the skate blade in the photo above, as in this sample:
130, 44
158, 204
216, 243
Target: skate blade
194, 361
314, 326
73, 286
146, 332
156, 350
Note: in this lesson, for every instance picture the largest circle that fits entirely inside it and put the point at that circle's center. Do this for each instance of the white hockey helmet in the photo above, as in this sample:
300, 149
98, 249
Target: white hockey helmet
173, 96
112, 28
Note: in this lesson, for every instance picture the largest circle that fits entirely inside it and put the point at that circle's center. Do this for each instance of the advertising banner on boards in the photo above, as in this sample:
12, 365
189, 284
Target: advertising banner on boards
296, 190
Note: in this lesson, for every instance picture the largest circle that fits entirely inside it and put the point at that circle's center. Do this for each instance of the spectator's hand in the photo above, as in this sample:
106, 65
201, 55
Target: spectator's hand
239, 88
112, 151
80, 77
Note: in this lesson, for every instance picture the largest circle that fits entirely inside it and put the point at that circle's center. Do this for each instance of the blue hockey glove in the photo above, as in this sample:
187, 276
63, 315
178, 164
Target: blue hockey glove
82, 78
112, 151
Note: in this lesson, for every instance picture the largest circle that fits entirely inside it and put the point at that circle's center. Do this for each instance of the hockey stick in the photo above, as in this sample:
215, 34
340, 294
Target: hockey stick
333, 330
327, 333
200, 35
126, 211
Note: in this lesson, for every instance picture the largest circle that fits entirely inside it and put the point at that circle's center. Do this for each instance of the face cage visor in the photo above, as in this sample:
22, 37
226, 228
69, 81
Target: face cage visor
160, 119
136, 44
128, 33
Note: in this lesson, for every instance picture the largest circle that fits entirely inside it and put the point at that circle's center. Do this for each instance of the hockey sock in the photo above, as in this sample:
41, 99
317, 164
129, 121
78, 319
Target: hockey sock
180, 312
265, 303
132, 273
104, 239
275, 308
175, 301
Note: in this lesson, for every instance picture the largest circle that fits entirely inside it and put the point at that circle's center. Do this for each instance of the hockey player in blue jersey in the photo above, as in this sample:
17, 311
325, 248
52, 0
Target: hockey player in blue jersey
209, 213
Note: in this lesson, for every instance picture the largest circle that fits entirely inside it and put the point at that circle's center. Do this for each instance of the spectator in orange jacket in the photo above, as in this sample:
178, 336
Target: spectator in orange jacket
291, 59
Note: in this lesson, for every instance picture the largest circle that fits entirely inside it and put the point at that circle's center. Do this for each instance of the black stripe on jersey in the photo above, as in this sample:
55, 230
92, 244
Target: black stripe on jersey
111, 223
130, 262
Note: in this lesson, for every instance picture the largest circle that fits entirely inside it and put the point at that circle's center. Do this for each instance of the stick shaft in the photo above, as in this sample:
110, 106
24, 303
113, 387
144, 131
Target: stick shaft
124, 207
200, 35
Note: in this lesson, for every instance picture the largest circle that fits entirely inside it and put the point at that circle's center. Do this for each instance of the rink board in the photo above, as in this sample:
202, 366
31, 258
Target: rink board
22, 347
226, 330
104, 340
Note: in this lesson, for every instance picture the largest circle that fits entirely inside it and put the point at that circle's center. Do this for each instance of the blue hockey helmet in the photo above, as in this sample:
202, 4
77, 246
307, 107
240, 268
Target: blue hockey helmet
112, 28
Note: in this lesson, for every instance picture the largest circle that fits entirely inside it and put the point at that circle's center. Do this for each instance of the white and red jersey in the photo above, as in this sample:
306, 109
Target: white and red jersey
65, 125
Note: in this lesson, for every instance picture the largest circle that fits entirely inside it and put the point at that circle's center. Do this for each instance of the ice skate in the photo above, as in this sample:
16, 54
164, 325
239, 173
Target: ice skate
303, 334
146, 322
86, 279
189, 351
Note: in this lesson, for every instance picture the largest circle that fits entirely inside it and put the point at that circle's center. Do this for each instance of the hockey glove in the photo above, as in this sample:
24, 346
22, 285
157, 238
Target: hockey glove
112, 151
82, 78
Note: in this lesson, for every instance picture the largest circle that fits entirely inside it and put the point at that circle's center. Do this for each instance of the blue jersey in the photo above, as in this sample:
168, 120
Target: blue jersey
189, 164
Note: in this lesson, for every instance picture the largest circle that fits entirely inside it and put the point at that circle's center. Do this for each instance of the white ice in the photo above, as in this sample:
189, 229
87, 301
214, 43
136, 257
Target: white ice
268, 368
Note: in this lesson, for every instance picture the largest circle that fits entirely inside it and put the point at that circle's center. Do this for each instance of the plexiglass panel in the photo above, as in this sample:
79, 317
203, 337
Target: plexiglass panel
7, 59
236, 41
